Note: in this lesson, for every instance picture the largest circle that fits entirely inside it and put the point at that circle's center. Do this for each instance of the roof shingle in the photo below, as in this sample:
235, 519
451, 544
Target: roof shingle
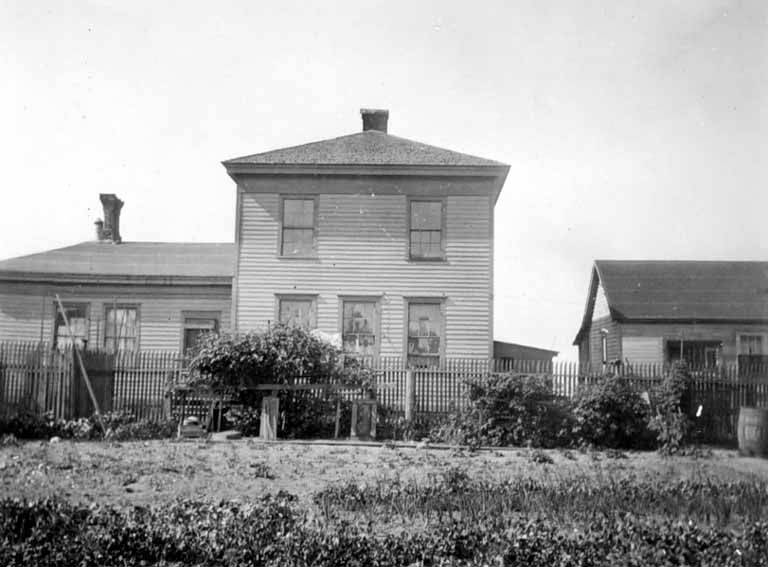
370, 147
685, 290
129, 259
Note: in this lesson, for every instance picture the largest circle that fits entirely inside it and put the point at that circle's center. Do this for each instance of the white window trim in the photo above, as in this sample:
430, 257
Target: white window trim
763, 339
376, 300
311, 297
443, 228
137, 307
441, 301
281, 213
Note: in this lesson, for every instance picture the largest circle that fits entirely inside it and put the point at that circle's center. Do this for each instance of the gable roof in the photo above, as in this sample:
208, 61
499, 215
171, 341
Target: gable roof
370, 147
680, 291
144, 262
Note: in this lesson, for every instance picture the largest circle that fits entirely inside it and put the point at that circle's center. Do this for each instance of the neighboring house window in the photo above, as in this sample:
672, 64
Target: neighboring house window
426, 230
358, 328
77, 316
425, 334
298, 312
121, 328
197, 324
752, 350
604, 347
298, 227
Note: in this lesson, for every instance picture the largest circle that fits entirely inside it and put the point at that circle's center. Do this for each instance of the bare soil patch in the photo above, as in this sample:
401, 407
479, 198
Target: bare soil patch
154, 472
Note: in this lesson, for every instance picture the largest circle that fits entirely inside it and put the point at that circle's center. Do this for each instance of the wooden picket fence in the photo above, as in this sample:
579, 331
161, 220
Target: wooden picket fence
35, 377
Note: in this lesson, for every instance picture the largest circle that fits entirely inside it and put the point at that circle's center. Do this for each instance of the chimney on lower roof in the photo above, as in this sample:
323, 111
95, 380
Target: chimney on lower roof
110, 228
375, 119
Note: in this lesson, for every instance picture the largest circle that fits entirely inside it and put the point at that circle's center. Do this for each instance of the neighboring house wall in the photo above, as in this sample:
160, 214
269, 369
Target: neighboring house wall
362, 250
521, 352
642, 350
726, 333
613, 340
161, 310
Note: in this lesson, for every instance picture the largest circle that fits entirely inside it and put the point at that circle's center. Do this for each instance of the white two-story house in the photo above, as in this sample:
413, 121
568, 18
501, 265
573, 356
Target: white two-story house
384, 243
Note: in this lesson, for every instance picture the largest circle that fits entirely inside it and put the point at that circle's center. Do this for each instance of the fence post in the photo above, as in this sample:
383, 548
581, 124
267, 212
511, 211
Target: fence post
410, 394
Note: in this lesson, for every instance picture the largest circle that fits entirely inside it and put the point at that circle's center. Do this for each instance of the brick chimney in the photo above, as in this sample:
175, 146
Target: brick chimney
109, 229
375, 119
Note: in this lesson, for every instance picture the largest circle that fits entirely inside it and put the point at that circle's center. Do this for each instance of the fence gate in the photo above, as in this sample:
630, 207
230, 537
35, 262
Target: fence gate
100, 367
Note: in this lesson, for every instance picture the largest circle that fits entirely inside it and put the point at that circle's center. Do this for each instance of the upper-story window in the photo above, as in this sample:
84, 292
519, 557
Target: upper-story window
299, 226
121, 328
77, 317
426, 230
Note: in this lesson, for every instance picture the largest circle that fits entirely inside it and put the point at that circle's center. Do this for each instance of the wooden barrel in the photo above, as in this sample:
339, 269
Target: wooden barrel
753, 431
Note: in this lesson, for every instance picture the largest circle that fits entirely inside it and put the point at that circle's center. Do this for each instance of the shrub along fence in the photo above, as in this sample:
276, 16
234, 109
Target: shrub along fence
35, 377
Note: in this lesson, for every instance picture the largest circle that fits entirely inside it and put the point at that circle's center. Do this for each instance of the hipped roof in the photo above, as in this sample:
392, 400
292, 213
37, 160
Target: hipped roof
163, 262
370, 147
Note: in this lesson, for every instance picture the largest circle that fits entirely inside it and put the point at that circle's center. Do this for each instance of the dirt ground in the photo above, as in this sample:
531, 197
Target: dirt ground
153, 472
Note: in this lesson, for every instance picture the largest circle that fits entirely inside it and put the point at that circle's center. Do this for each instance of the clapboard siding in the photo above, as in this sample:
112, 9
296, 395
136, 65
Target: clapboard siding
23, 308
726, 333
613, 334
642, 350
362, 250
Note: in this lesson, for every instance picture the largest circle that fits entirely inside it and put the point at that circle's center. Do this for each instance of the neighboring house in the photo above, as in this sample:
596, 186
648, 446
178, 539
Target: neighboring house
708, 313
514, 351
118, 295
382, 242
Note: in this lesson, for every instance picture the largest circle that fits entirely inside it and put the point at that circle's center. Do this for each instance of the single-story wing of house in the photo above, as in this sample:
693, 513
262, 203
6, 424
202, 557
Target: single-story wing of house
122, 296
705, 312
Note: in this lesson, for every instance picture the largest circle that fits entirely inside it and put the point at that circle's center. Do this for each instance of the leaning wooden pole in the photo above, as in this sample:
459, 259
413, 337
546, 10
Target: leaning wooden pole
97, 411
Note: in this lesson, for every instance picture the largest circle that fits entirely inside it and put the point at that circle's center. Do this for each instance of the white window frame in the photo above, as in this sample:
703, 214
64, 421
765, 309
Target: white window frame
443, 218
376, 301
185, 315
283, 199
137, 338
57, 331
440, 301
312, 298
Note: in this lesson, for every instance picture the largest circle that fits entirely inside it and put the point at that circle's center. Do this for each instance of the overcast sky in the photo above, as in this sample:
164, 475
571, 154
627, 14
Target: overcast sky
632, 129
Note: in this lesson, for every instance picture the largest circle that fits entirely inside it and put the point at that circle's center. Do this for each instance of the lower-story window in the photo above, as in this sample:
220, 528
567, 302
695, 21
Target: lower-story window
196, 325
297, 311
359, 327
121, 328
752, 351
698, 354
425, 333
77, 317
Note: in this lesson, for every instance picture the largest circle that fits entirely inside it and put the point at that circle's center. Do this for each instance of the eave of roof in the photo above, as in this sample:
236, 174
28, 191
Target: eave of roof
102, 279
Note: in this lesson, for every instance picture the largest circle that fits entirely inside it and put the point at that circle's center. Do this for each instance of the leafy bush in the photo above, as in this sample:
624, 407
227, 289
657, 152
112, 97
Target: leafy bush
610, 413
307, 416
27, 425
246, 420
576, 500
393, 425
508, 409
272, 531
670, 421
278, 355
117, 425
